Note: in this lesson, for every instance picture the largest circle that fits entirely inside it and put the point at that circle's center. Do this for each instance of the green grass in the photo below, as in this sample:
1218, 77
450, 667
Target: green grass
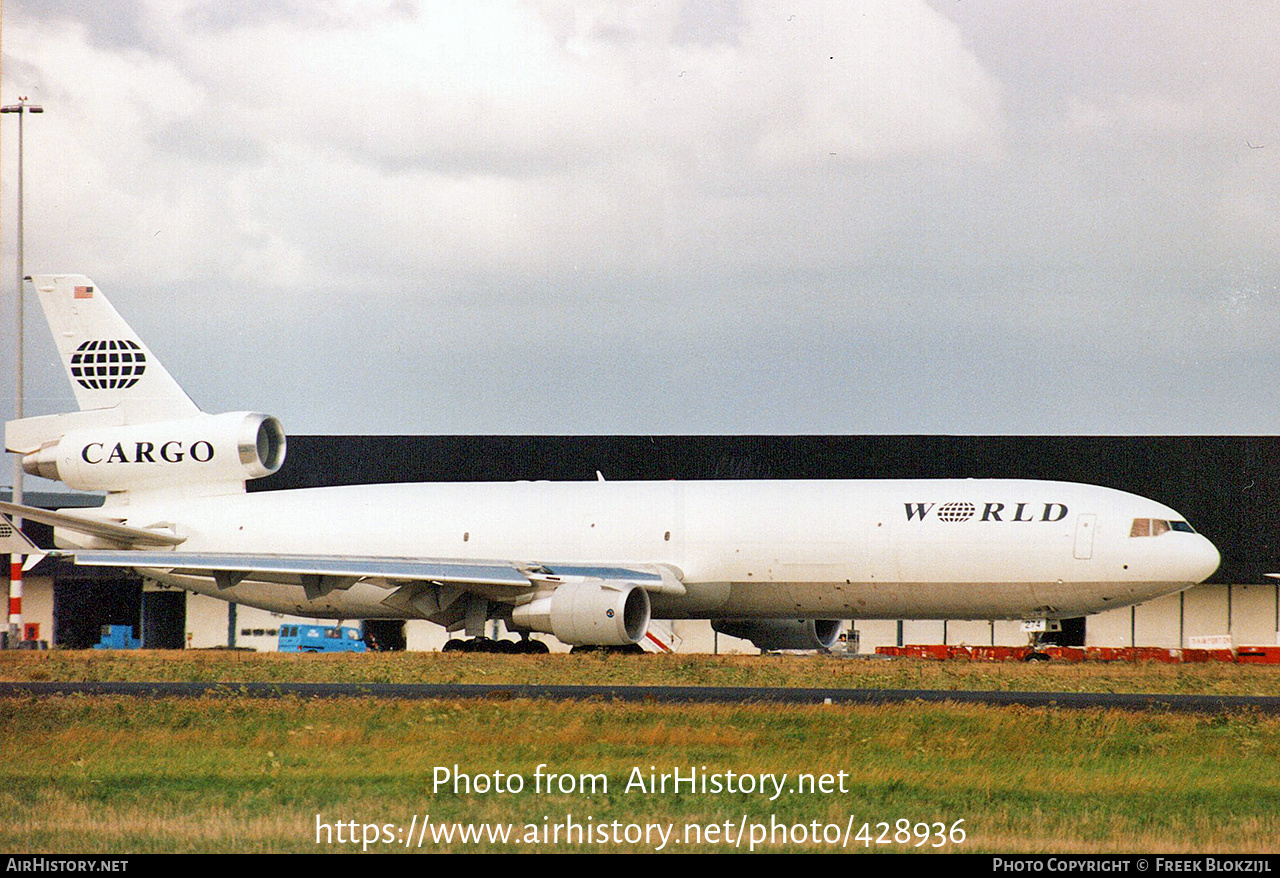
101, 774
702, 670
226, 774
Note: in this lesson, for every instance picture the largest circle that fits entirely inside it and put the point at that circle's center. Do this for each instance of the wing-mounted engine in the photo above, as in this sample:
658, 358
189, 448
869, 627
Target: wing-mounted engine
196, 453
769, 634
588, 613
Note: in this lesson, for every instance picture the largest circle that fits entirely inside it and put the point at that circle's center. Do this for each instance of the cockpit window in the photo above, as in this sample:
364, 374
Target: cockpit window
1154, 527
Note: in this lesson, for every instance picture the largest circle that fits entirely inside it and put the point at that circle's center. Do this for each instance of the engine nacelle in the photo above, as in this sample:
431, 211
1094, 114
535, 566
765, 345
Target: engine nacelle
770, 634
201, 450
589, 614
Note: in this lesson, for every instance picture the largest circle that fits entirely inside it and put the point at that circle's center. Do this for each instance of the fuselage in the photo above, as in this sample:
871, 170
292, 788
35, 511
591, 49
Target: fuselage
865, 549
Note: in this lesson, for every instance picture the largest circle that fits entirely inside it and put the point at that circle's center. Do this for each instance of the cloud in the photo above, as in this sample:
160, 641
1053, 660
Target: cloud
112, 26
495, 134
788, 203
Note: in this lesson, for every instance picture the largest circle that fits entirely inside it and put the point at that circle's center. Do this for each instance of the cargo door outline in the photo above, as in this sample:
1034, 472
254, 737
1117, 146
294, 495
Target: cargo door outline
1086, 523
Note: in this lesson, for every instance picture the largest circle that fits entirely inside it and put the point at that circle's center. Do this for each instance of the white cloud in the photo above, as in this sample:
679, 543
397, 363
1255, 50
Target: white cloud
481, 135
552, 183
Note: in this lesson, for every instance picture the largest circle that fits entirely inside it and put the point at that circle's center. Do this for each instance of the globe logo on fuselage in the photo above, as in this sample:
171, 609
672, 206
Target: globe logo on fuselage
108, 364
963, 510
956, 511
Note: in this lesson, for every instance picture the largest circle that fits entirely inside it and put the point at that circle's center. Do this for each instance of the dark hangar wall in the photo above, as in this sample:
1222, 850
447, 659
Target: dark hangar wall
1228, 487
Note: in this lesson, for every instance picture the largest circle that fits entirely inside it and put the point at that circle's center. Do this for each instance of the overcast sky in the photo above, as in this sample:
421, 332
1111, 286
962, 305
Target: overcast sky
694, 216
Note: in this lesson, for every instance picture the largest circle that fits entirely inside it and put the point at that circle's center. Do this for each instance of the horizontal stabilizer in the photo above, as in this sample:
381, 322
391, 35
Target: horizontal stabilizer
117, 533
15, 542
30, 434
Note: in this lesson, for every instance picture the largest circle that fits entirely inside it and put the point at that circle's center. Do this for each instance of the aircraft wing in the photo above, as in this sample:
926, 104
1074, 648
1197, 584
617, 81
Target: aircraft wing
317, 574
321, 574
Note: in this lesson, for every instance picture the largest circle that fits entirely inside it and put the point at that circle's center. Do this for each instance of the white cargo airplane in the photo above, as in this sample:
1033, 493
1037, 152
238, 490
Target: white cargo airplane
589, 562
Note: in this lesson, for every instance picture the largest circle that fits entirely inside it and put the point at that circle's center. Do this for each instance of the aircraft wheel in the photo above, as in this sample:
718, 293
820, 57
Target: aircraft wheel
455, 645
1036, 657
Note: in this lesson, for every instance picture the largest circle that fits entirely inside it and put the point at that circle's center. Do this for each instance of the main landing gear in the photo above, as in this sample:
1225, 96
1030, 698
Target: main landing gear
1036, 629
497, 647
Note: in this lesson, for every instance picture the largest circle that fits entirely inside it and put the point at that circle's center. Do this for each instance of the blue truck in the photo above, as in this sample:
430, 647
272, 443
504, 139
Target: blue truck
320, 638
118, 637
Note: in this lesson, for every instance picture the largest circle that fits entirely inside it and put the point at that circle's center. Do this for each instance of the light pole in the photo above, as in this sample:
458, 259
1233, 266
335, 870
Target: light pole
15, 561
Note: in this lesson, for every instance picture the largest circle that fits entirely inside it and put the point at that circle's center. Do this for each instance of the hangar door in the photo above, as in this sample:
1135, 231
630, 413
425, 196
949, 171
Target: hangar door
164, 619
81, 606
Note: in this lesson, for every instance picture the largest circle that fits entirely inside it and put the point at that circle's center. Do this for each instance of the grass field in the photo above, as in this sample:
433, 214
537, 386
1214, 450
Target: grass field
229, 774
701, 670
128, 775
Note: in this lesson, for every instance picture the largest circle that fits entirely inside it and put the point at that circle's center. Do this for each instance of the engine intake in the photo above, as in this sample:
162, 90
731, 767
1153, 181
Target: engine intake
589, 614
770, 634
202, 450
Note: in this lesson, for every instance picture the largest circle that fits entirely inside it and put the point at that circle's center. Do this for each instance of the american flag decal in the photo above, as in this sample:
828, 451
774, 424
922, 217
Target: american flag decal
84, 292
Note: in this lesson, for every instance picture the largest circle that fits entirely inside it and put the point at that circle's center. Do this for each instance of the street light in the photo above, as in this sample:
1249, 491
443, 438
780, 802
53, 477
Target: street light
15, 562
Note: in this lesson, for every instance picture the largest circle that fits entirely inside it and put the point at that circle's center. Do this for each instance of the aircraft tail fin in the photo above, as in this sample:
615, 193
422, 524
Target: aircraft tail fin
136, 431
108, 365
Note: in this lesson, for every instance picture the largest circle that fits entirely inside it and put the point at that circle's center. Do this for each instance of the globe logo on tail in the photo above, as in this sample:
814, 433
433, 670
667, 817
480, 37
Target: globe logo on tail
108, 364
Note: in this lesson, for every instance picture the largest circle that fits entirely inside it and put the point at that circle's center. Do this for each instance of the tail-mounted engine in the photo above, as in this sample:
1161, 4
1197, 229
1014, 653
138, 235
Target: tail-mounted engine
204, 450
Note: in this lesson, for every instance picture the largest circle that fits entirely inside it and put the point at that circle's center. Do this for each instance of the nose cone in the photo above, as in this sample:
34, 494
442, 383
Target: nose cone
1202, 559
